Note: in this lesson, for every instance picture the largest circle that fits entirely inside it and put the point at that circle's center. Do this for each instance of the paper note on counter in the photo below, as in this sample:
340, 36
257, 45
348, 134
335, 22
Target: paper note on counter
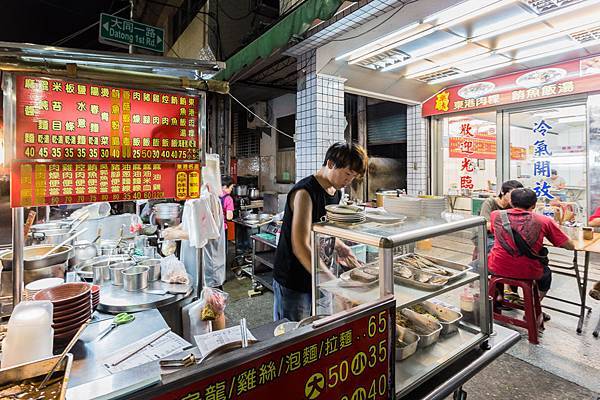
163, 346
212, 340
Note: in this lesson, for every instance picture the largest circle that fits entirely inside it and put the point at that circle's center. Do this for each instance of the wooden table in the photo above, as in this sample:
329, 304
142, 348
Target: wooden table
587, 247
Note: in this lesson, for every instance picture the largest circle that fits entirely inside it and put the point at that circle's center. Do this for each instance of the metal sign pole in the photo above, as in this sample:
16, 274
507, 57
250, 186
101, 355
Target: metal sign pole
131, 18
17, 260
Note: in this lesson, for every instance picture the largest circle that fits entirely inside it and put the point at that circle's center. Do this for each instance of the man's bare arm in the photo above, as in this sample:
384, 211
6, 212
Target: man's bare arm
301, 226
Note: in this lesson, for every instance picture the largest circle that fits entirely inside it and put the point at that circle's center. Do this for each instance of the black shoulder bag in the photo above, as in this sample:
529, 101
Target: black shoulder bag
522, 245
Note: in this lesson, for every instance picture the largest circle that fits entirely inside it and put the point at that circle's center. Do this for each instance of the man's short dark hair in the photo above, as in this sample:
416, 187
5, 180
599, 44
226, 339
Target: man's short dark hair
523, 198
554, 172
508, 186
226, 180
347, 155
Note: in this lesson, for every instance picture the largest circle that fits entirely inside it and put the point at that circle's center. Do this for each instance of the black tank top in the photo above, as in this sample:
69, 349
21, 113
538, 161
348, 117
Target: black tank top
288, 270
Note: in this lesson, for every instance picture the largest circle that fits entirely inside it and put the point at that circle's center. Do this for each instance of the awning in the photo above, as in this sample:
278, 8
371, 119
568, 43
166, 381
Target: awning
295, 23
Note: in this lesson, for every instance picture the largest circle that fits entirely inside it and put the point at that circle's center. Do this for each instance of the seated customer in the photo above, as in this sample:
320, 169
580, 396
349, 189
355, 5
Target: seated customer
595, 218
518, 251
502, 202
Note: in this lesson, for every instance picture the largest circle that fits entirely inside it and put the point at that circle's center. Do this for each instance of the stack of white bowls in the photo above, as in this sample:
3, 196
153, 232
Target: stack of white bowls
345, 214
404, 205
34, 287
433, 206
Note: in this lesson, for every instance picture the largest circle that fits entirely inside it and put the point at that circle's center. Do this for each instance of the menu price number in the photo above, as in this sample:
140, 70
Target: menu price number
377, 324
377, 388
83, 153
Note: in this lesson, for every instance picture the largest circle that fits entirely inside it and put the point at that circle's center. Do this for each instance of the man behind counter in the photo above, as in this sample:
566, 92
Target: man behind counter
305, 205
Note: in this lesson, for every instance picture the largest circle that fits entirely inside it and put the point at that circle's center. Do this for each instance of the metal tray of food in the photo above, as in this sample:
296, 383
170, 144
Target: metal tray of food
406, 343
447, 269
415, 282
428, 329
22, 380
448, 318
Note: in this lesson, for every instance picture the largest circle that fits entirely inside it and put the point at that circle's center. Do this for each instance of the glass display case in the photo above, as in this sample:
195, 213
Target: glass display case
436, 270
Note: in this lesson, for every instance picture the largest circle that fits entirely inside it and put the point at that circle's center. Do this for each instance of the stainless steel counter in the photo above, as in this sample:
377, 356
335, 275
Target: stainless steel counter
115, 299
89, 376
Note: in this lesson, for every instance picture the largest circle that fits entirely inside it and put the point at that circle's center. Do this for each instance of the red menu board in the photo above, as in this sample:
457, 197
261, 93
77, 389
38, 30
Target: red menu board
562, 79
79, 142
68, 183
67, 120
481, 149
351, 361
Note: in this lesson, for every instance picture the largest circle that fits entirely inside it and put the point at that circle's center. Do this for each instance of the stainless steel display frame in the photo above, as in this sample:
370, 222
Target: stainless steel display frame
407, 236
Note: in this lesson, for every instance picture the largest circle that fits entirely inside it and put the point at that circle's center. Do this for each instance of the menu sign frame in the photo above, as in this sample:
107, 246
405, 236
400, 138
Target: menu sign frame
60, 129
351, 357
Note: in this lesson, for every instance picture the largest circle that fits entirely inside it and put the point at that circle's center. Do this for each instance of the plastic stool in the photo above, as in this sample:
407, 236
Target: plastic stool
533, 318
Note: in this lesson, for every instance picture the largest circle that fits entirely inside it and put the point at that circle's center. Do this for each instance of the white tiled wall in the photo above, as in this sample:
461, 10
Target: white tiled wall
320, 118
416, 148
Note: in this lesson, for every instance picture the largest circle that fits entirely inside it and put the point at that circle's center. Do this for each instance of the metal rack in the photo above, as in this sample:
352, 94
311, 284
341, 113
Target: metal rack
266, 258
406, 237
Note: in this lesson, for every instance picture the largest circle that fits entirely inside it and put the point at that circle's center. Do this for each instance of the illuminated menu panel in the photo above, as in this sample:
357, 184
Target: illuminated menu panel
79, 142
70, 183
67, 120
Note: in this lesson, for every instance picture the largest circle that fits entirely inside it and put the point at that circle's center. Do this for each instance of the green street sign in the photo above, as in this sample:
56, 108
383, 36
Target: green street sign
124, 32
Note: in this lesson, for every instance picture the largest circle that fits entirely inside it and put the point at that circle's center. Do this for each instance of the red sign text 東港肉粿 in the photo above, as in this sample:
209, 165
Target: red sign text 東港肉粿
566, 78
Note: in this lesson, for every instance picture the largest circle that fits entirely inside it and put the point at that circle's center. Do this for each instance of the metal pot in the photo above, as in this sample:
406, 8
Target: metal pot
116, 270
31, 254
52, 271
253, 193
153, 269
166, 213
85, 268
48, 233
135, 278
240, 190
107, 248
83, 250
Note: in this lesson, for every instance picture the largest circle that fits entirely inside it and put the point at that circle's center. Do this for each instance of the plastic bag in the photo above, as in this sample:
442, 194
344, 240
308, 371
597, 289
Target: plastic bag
173, 271
135, 225
215, 301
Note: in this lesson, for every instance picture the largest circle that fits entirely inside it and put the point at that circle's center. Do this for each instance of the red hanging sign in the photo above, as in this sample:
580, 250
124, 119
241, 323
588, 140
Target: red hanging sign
80, 142
562, 79
37, 184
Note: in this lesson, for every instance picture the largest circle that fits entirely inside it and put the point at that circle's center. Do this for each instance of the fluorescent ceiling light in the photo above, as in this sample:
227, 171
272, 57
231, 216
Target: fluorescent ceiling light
572, 47
380, 40
458, 10
391, 46
530, 21
472, 72
448, 65
469, 15
423, 55
475, 13
577, 118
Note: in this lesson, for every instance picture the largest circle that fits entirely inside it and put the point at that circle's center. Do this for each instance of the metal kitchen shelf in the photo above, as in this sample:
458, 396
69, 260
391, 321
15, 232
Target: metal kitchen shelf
266, 258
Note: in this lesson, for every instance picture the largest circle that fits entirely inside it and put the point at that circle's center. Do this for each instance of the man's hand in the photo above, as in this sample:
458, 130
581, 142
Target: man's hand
175, 233
568, 245
345, 255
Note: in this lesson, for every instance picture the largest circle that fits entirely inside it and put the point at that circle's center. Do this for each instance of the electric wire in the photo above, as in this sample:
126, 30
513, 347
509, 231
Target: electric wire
79, 32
